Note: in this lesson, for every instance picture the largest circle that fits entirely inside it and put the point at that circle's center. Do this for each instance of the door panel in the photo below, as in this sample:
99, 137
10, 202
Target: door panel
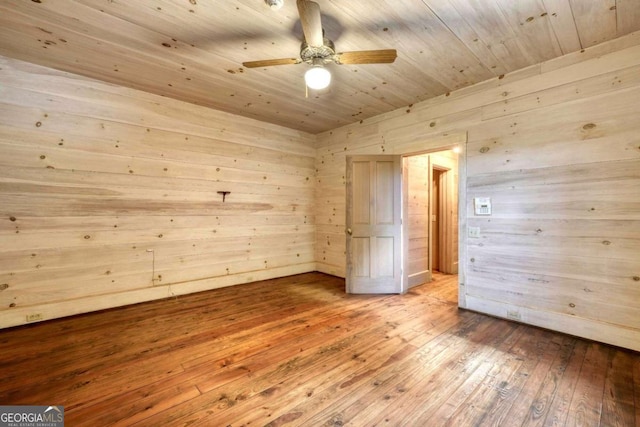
374, 235
384, 183
361, 256
362, 193
384, 252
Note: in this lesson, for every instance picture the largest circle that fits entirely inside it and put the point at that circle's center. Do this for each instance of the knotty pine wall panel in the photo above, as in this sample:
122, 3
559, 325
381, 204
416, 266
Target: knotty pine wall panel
108, 196
557, 148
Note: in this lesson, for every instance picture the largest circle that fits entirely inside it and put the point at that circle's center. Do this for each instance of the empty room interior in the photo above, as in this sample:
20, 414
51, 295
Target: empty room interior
321, 213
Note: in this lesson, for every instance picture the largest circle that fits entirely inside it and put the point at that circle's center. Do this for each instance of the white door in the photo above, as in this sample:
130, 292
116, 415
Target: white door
374, 225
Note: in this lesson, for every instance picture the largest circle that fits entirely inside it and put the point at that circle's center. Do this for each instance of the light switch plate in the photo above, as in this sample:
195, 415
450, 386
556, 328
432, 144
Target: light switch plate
474, 232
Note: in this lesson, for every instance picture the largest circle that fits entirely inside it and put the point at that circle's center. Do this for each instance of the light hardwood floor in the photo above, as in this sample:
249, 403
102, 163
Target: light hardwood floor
299, 351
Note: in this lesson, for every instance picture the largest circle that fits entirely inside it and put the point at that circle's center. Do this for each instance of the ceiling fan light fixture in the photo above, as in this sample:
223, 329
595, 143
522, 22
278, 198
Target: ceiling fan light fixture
317, 50
317, 77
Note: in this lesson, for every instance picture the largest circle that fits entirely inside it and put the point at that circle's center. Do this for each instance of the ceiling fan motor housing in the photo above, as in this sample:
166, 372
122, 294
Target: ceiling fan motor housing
326, 52
274, 4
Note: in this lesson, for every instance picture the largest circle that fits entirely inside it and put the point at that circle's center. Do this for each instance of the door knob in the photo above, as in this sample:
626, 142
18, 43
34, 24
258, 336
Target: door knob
349, 232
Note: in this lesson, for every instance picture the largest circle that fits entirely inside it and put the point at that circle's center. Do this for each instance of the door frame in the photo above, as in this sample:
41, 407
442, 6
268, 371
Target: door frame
446, 263
434, 143
459, 142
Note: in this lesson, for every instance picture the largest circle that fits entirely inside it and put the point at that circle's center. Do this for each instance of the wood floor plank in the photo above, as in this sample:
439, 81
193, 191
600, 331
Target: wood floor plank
490, 402
618, 407
242, 381
129, 408
233, 346
636, 388
586, 404
395, 346
298, 351
559, 405
412, 394
90, 347
532, 405
233, 361
342, 351
378, 386
441, 413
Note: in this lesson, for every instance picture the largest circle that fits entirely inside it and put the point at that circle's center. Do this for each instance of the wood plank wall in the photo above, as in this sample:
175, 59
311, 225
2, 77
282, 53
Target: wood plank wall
557, 148
108, 196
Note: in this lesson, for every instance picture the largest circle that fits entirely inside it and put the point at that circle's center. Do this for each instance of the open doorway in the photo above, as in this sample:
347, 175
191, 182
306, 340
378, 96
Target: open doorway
431, 212
389, 213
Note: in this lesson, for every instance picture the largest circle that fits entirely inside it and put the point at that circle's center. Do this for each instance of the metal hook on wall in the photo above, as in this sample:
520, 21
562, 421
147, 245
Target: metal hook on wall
224, 194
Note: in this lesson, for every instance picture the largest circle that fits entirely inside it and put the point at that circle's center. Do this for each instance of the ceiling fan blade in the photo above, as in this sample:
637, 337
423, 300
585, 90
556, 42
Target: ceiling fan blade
383, 56
270, 62
311, 22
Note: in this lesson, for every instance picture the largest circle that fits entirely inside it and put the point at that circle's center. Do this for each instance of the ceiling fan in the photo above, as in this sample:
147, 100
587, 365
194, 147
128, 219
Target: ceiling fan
319, 51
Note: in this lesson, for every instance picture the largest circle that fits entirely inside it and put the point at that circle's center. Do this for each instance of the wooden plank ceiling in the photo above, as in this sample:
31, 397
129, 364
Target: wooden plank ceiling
193, 50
